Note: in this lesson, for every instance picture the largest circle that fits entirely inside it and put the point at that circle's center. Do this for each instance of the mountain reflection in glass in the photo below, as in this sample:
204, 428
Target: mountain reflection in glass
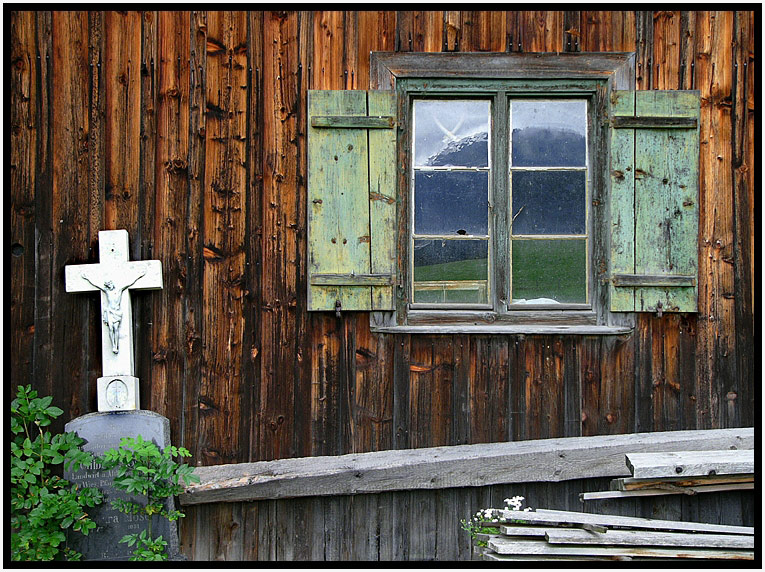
451, 271
451, 133
548, 133
549, 202
451, 202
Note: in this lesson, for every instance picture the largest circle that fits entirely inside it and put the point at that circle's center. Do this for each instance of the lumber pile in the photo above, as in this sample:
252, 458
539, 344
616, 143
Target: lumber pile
564, 535
689, 472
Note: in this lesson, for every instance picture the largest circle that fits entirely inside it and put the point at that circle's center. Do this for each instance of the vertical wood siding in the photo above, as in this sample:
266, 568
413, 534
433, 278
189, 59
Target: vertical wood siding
188, 130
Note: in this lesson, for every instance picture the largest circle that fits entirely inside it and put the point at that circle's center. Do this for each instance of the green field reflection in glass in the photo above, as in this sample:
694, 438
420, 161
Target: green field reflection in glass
451, 271
549, 271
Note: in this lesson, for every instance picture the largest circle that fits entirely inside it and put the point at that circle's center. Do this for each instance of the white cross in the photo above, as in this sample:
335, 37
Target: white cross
115, 276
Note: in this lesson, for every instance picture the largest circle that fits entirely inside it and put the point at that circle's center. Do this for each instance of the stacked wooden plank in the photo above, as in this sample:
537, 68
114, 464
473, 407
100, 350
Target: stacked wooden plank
563, 535
689, 472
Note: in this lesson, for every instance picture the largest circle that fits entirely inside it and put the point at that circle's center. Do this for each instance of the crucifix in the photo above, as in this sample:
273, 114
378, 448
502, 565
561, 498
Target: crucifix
114, 276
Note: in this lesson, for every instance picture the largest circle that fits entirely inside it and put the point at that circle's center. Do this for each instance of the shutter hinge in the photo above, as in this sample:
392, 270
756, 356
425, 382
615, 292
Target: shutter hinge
338, 307
659, 307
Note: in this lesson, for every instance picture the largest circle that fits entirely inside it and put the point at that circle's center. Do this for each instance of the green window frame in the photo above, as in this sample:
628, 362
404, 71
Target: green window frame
499, 307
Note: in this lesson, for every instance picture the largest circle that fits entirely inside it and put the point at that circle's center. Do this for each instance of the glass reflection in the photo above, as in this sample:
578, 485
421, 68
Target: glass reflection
549, 271
451, 271
451, 202
549, 133
549, 202
451, 133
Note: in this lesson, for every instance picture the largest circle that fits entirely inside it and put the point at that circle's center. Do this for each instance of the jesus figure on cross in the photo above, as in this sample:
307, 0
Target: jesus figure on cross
112, 313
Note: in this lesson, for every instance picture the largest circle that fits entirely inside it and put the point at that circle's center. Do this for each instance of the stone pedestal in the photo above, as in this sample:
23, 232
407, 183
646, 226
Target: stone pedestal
103, 431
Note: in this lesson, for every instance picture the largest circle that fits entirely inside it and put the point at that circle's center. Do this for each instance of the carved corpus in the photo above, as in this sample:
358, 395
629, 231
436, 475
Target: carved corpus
114, 276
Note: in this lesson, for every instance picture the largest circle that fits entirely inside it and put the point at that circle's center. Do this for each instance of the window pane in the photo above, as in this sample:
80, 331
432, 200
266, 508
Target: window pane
549, 271
548, 202
451, 271
451, 202
549, 133
451, 133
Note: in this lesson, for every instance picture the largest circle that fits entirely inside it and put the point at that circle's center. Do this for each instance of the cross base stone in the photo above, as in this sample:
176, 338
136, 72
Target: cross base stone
118, 393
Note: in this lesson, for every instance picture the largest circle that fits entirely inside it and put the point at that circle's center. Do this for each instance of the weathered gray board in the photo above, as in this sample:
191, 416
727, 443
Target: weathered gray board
540, 547
553, 517
103, 431
690, 463
649, 538
542, 460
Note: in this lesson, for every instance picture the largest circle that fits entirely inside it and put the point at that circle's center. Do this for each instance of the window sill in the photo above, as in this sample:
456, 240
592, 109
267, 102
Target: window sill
498, 329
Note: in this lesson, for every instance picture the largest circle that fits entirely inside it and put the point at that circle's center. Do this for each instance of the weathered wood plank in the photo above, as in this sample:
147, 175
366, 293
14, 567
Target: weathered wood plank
690, 463
349, 122
666, 200
555, 517
717, 373
122, 118
71, 215
440, 467
168, 187
744, 215
648, 122
42, 366
382, 199
336, 241
667, 490
622, 202
24, 138
653, 280
643, 538
501, 329
632, 484
507, 546
278, 266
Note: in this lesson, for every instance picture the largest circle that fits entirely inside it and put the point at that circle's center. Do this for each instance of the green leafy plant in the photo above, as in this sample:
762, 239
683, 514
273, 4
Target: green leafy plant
144, 470
487, 521
44, 505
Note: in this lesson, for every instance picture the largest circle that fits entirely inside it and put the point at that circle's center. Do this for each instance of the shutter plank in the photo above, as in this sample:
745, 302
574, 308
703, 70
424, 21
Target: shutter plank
666, 180
622, 202
382, 198
339, 183
654, 201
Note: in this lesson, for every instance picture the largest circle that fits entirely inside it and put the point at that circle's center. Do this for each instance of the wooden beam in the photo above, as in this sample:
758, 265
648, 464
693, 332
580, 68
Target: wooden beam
353, 279
502, 329
666, 490
354, 121
543, 517
663, 280
649, 538
543, 460
621, 122
690, 463
528, 547
632, 484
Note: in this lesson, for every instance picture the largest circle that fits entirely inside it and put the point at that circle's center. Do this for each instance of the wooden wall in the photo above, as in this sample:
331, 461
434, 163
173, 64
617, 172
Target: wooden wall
188, 129
413, 525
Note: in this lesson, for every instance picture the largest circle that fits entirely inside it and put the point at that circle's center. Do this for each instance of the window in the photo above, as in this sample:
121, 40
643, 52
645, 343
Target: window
498, 201
502, 193
546, 189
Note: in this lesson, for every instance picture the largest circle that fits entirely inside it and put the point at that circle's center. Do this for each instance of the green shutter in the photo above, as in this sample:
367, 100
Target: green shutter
351, 200
654, 201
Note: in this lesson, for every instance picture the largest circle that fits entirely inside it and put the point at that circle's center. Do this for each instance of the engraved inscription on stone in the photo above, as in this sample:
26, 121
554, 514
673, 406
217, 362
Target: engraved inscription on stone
103, 431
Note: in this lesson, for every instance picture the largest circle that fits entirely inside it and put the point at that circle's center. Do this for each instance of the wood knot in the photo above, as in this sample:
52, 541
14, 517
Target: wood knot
176, 166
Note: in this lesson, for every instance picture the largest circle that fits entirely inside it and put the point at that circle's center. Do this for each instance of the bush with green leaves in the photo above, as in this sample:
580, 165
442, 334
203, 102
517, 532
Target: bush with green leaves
144, 470
44, 505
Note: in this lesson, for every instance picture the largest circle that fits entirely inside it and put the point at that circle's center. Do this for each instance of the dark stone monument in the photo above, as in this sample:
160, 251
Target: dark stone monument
103, 431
